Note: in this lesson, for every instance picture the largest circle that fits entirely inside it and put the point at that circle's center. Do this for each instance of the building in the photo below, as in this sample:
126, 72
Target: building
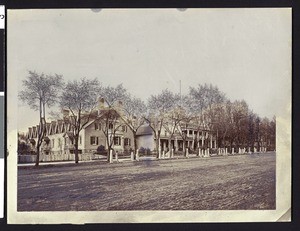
191, 138
59, 135
108, 127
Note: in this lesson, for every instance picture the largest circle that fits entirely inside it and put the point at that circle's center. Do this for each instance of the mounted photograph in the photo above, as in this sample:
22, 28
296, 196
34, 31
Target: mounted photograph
149, 115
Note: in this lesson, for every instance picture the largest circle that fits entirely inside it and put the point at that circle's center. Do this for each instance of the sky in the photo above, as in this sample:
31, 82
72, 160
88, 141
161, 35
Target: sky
245, 52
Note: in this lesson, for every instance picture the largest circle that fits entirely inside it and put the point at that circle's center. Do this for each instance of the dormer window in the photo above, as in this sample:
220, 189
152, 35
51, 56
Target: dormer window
97, 126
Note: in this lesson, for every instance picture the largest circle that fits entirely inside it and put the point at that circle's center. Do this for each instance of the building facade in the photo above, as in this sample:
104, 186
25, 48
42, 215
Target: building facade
59, 137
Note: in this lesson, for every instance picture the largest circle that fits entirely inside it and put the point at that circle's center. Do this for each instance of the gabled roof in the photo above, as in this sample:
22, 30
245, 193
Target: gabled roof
69, 134
144, 130
89, 123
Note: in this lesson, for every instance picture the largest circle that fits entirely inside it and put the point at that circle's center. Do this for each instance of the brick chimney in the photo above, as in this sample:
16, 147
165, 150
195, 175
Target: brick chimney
118, 105
65, 113
101, 103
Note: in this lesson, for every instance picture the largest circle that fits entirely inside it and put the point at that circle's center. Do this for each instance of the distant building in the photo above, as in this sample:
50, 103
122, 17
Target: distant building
59, 137
194, 138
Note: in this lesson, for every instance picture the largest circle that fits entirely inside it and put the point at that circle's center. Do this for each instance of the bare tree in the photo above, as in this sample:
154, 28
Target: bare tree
240, 114
80, 98
158, 107
111, 116
41, 91
134, 114
206, 103
272, 134
185, 119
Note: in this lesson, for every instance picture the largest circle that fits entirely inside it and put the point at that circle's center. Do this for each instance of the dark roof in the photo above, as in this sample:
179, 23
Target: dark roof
144, 130
69, 134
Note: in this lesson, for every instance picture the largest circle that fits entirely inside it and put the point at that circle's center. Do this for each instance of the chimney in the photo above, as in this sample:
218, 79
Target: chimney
101, 103
30, 132
119, 107
66, 113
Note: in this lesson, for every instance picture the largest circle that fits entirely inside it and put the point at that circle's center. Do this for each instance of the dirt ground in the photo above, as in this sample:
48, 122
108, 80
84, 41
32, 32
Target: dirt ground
215, 183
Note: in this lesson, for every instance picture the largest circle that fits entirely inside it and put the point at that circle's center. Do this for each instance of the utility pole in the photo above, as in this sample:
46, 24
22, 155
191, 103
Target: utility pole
180, 92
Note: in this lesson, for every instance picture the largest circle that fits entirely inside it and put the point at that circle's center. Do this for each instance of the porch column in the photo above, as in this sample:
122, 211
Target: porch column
193, 142
122, 143
210, 140
165, 145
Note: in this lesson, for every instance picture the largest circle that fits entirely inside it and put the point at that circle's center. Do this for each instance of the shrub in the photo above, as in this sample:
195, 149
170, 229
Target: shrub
101, 149
142, 150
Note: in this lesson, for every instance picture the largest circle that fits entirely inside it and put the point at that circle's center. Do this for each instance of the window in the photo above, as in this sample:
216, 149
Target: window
80, 140
53, 142
127, 142
110, 126
97, 126
94, 140
124, 128
117, 140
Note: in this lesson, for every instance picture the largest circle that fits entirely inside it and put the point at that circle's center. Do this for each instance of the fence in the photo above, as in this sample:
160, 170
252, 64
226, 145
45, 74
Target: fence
57, 157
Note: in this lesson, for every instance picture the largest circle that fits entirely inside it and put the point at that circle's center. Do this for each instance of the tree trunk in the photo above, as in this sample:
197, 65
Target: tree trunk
37, 160
157, 143
134, 145
157, 147
40, 137
170, 144
108, 152
76, 150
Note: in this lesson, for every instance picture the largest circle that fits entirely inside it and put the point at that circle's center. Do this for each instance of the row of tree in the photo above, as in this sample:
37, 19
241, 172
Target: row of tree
204, 105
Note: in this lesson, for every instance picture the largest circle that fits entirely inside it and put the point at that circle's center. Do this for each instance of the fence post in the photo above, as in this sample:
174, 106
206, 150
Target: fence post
131, 156
187, 152
137, 155
172, 153
117, 157
159, 153
111, 156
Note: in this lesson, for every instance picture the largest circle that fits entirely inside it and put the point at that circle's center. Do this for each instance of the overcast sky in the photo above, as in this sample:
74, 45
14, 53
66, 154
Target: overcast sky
245, 52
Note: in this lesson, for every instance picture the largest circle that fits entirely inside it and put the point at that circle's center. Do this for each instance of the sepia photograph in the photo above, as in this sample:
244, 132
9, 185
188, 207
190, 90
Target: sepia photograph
149, 115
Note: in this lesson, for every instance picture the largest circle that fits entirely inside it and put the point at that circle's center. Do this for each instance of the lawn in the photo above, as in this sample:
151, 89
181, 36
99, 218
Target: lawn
215, 183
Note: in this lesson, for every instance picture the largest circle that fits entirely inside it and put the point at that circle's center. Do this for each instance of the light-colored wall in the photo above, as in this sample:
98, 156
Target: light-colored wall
86, 138
146, 141
129, 134
57, 147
